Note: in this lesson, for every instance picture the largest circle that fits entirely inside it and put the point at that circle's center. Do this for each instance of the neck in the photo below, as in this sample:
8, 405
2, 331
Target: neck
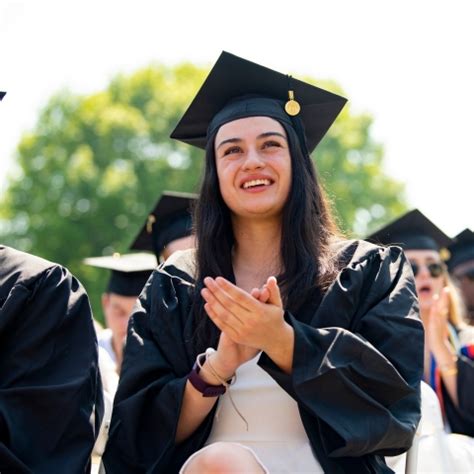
257, 248
117, 346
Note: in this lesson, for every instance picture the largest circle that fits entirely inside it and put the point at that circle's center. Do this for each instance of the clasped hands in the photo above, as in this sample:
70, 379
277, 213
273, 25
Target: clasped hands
249, 322
436, 321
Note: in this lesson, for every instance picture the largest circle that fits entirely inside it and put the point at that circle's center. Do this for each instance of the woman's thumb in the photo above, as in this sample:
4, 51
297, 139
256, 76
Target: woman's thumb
274, 290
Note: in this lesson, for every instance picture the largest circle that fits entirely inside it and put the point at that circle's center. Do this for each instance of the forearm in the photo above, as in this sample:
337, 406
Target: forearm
446, 361
281, 347
195, 407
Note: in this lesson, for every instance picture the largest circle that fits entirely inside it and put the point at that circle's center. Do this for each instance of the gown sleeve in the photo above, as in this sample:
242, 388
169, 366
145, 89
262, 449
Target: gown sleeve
151, 388
358, 363
50, 390
461, 418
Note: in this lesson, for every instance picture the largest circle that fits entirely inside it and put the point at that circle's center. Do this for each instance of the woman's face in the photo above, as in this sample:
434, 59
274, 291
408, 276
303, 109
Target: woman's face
253, 166
429, 277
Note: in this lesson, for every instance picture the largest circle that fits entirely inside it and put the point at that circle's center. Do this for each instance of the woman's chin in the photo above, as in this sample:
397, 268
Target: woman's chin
261, 210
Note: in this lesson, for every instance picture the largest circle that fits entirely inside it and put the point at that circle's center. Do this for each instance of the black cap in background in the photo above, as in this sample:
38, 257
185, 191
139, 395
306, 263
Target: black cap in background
170, 220
462, 250
236, 88
412, 231
129, 272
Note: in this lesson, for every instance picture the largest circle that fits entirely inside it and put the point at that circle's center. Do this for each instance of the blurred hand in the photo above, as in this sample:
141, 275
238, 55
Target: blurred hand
436, 324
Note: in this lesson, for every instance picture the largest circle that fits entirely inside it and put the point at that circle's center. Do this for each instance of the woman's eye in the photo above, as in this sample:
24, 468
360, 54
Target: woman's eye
270, 144
232, 150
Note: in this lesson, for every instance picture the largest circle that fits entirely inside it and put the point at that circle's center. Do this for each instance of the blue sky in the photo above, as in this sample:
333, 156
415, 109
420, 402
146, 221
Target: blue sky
407, 63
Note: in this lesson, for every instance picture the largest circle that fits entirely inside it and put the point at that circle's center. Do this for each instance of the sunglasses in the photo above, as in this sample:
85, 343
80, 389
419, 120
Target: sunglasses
436, 269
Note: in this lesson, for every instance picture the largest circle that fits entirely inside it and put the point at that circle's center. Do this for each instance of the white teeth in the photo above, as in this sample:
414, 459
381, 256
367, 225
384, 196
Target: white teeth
256, 182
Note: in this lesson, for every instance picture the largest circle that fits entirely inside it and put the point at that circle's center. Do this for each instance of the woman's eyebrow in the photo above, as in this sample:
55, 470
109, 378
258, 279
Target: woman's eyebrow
262, 135
269, 134
228, 140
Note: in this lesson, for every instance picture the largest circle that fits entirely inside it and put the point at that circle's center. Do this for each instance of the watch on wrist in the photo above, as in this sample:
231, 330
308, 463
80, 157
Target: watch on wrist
202, 386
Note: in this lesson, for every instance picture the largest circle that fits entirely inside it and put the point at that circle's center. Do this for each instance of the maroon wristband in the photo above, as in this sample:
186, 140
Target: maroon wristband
202, 386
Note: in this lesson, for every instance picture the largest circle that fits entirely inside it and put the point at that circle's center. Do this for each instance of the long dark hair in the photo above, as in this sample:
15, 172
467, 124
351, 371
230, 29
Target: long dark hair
308, 229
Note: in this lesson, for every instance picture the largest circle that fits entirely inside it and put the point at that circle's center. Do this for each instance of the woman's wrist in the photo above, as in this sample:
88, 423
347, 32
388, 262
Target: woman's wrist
444, 356
280, 340
222, 370
280, 350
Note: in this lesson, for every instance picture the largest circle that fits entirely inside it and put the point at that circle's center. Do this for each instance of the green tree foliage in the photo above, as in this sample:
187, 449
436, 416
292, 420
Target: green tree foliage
94, 166
350, 165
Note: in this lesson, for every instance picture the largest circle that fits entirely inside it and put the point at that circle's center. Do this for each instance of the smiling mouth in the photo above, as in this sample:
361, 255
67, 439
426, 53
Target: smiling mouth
256, 183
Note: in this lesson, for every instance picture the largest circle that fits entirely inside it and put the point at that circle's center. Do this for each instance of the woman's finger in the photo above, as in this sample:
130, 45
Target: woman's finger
264, 295
255, 293
440, 306
225, 299
274, 292
221, 310
241, 297
444, 303
220, 323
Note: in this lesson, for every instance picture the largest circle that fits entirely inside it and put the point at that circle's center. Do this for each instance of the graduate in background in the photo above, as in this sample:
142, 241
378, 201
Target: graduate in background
461, 268
449, 342
168, 227
128, 276
327, 356
50, 391
129, 273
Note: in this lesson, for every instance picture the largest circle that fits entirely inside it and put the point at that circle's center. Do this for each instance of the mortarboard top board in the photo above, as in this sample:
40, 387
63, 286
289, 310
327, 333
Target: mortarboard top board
231, 78
129, 272
412, 231
2, 95
170, 220
462, 250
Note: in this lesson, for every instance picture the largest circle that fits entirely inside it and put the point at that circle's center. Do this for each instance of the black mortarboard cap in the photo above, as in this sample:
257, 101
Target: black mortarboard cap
462, 250
412, 231
129, 272
2, 95
170, 220
236, 88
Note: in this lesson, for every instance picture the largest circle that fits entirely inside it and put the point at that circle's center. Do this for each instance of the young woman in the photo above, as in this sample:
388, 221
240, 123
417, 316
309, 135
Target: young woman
449, 342
275, 346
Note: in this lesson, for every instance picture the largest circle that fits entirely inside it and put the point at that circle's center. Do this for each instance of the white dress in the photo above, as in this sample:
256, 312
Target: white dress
275, 431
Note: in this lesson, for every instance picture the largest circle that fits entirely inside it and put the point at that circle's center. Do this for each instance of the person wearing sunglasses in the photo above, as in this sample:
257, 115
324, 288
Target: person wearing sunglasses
461, 268
449, 341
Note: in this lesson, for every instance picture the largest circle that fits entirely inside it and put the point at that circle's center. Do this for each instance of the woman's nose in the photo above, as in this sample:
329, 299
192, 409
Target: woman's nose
253, 160
423, 270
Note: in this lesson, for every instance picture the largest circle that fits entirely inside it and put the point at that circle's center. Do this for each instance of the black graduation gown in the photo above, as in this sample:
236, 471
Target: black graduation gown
461, 418
357, 366
50, 390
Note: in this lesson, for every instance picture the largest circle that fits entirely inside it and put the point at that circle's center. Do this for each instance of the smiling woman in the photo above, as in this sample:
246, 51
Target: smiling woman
253, 167
276, 345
